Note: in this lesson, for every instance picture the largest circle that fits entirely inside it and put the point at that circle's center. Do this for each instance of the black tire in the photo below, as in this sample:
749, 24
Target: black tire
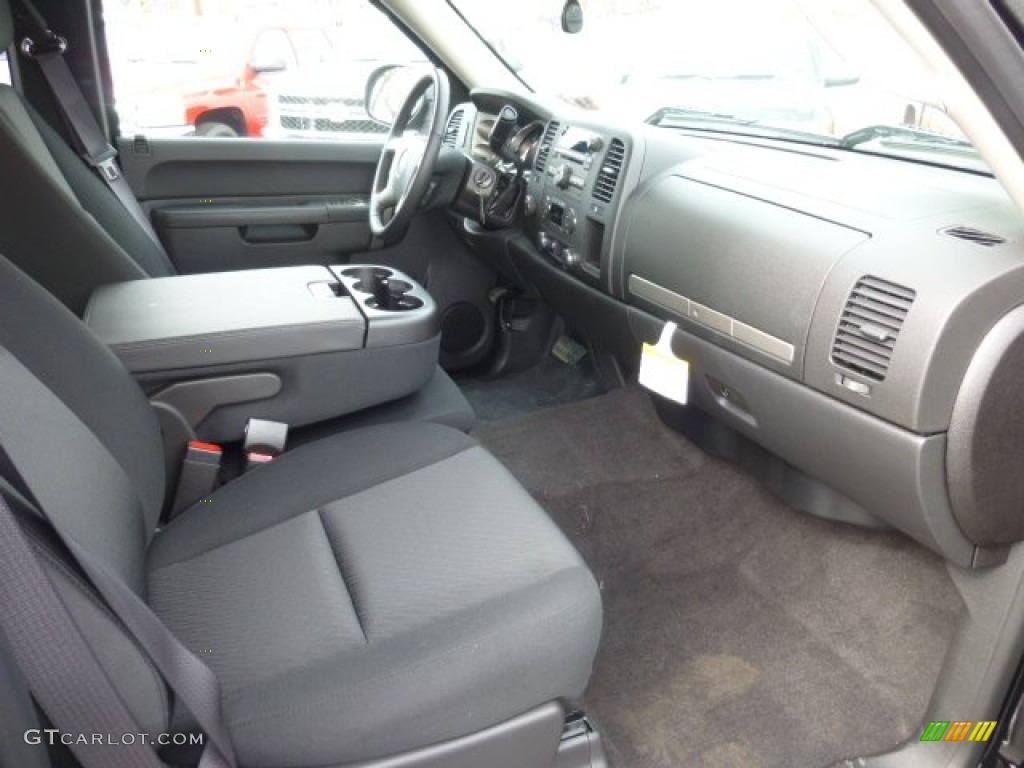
213, 129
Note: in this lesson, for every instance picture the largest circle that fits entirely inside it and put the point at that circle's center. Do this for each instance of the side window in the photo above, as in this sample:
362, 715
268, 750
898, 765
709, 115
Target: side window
249, 68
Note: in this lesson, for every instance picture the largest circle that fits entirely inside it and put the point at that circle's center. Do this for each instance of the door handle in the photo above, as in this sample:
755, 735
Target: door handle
265, 234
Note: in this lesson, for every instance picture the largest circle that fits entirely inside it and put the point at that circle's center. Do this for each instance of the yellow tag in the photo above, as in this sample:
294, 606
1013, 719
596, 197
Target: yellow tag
661, 371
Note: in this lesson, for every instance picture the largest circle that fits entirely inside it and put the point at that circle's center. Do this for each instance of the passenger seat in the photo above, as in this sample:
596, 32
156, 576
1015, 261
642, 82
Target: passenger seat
365, 596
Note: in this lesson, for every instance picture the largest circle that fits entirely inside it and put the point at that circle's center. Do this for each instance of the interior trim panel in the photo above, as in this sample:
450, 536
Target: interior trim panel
716, 321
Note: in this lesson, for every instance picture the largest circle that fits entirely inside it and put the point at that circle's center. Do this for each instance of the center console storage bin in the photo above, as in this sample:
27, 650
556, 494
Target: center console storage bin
295, 344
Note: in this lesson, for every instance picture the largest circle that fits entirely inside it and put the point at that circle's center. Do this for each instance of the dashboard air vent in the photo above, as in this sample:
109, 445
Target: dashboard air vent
972, 235
869, 325
604, 187
545, 145
451, 131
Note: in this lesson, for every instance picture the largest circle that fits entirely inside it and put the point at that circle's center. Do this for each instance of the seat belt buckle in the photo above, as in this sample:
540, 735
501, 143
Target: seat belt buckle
199, 471
264, 441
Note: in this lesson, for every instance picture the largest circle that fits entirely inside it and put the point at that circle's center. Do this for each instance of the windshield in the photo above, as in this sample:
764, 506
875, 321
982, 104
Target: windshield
819, 71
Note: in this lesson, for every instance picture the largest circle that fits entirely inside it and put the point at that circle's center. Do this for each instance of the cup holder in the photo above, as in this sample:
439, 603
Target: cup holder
385, 291
391, 294
398, 287
399, 303
367, 277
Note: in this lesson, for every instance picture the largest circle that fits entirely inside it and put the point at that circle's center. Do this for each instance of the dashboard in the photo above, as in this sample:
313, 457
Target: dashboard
857, 319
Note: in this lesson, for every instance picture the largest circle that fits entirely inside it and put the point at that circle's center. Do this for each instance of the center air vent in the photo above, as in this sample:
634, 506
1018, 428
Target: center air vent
604, 187
451, 132
869, 325
976, 236
545, 145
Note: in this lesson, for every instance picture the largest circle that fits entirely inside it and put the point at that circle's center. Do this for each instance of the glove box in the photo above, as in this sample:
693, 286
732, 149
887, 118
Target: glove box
295, 344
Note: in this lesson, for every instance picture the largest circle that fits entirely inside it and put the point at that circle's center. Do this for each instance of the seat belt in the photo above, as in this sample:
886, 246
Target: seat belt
61, 671
92, 143
57, 663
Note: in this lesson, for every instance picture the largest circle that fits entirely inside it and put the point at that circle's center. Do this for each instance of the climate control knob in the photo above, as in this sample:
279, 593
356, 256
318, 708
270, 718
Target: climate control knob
571, 258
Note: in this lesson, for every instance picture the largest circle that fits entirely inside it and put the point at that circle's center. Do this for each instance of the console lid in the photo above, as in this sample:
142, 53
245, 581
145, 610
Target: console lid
191, 321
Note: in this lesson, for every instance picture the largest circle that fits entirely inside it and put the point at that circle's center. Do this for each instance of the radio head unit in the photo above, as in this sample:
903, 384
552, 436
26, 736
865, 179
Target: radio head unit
578, 145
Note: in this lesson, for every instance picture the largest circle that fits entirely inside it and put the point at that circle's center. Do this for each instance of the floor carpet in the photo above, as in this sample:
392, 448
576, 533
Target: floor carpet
548, 384
737, 631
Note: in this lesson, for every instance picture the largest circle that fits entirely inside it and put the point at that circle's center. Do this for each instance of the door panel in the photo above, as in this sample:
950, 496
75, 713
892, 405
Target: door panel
223, 205
243, 233
200, 167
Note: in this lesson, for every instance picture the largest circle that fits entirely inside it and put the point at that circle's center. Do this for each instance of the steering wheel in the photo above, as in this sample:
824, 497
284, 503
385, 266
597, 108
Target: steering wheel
409, 158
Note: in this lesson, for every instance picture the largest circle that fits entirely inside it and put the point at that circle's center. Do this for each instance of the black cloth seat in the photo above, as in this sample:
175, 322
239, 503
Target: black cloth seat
380, 590
374, 592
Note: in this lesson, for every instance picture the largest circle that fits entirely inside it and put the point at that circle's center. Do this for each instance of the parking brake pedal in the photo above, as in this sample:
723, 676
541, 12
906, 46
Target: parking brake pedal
264, 441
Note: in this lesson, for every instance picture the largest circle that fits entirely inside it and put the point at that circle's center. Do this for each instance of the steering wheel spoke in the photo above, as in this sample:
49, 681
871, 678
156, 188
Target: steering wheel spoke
408, 158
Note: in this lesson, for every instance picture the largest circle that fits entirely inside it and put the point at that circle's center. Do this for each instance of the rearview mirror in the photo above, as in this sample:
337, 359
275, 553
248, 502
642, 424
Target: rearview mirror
572, 17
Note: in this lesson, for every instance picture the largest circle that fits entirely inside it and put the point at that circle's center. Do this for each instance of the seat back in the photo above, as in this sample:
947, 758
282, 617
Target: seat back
93, 436
96, 444
58, 221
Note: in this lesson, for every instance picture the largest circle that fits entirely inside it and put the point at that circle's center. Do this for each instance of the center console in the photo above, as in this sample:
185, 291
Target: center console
573, 192
296, 344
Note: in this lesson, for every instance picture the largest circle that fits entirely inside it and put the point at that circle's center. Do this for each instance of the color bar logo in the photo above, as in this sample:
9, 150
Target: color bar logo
958, 730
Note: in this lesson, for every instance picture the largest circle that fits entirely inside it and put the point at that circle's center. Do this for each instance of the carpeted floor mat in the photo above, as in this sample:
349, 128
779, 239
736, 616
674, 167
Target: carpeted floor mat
737, 631
549, 383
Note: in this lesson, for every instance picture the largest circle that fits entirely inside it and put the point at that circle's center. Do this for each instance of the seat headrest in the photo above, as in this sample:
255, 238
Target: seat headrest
6, 25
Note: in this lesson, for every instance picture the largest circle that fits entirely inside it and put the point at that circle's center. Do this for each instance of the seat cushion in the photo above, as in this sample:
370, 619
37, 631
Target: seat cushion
374, 592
